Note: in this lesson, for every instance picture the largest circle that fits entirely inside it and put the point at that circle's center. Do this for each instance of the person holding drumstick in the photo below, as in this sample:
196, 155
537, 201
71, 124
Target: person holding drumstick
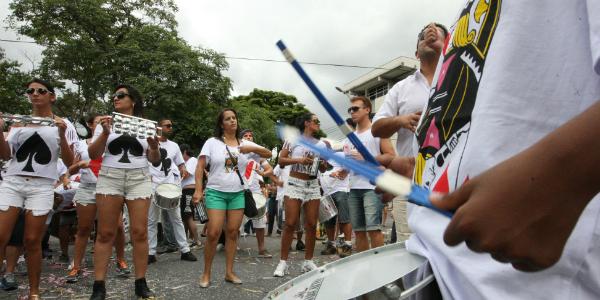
33, 151
124, 179
224, 195
301, 190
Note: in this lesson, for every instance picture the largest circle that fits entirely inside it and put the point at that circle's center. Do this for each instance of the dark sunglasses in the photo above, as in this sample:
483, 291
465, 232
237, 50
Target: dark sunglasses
354, 109
40, 91
316, 121
120, 95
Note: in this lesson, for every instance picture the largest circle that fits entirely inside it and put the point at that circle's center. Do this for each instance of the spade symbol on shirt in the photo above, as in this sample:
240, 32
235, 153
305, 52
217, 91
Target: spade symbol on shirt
124, 144
166, 162
34, 148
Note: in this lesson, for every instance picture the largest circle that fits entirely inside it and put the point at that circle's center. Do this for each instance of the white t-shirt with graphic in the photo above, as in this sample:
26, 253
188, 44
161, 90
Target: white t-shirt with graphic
405, 97
166, 170
222, 176
300, 151
513, 72
123, 151
373, 145
190, 166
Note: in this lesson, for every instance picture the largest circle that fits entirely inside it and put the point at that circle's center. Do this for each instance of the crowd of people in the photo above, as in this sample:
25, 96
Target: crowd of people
494, 124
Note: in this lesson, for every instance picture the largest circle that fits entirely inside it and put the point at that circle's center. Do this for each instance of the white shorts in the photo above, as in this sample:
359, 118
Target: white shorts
304, 190
31, 193
260, 223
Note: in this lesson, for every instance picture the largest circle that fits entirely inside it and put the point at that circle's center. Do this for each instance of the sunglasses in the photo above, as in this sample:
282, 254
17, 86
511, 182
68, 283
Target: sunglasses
354, 109
40, 91
120, 95
316, 121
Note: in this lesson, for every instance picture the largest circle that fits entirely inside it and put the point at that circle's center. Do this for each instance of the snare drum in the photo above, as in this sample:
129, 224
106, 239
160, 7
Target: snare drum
327, 209
261, 205
361, 275
167, 196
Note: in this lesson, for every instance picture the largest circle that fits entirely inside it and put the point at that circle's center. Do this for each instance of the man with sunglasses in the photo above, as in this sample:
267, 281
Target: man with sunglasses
168, 170
364, 205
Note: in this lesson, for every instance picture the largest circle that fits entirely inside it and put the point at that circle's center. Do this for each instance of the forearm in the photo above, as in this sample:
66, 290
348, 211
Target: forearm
74, 169
262, 152
199, 175
96, 149
153, 155
386, 127
66, 152
4, 149
286, 161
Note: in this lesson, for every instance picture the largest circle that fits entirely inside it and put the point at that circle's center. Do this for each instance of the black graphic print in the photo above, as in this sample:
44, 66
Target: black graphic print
166, 162
124, 144
34, 148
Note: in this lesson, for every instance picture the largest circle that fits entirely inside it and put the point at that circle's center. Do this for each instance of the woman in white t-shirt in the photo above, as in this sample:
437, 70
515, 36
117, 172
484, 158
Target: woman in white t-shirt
224, 193
303, 191
188, 187
124, 179
33, 151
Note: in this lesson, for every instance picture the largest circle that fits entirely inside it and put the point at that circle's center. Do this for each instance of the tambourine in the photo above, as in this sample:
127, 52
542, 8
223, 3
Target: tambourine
134, 126
27, 119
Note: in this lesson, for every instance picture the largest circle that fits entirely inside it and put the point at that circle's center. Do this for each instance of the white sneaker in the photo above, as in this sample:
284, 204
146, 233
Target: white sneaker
281, 270
308, 266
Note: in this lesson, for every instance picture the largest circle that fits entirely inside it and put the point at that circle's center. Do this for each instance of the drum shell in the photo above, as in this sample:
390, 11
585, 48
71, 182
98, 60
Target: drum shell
261, 205
327, 209
200, 212
167, 202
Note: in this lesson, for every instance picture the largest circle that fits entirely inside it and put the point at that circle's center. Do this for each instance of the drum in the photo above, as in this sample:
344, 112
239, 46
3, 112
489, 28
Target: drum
200, 213
261, 205
327, 209
167, 196
360, 274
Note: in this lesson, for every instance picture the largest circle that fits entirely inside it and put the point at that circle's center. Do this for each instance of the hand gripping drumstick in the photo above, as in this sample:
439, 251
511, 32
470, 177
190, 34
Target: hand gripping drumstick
328, 107
386, 180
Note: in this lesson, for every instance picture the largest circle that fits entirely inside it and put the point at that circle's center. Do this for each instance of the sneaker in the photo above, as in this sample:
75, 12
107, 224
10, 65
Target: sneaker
265, 254
329, 250
281, 270
167, 249
307, 266
346, 250
9, 282
122, 269
73, 276
151, 259
188, 256
196, 245
300, 246
142, 290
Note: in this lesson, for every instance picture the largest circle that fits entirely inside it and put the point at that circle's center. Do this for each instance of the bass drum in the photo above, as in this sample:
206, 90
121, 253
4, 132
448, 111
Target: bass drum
261, 205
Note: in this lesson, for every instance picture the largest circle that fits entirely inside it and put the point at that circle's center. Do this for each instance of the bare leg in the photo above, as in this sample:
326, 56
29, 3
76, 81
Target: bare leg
311, 214
120, 240
216, 218
347, 230
234, 220
138, 227
376, 237
12, 256
8, 219
362, 242
191, 227
85, 222
109, 210
34, 232
292, 214
260, 239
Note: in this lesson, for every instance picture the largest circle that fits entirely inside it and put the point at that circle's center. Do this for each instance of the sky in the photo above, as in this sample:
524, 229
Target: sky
363, 33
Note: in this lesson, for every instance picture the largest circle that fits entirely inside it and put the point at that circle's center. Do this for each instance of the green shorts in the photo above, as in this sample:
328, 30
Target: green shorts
224, 200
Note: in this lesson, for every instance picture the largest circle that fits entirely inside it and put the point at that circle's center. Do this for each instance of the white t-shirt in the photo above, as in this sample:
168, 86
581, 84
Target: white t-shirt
298, 151
166, 170
190, 166
540, 68
87, 176
251, 175
282, 174
332, 185
123, 151
373, 145
222, 176
405, 97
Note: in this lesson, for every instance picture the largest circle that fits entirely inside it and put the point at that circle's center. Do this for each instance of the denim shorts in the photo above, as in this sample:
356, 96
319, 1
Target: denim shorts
31, 193
132, 184
224, 200
304, 190
341, 203
86, 194
365, 210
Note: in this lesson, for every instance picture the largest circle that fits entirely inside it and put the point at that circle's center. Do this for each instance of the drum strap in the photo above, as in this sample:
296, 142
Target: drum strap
237, 168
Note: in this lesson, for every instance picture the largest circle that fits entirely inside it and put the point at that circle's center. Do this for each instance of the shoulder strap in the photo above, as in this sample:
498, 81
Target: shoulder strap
236, 167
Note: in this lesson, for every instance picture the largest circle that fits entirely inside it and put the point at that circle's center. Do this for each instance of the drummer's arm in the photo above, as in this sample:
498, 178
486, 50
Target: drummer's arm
183, 171
285, 160
199, 176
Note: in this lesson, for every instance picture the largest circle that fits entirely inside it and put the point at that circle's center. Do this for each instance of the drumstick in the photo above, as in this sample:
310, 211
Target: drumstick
385, 179
328, 107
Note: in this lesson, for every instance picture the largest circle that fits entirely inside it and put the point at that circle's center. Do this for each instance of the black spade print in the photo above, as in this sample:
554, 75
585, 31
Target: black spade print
166, 162
34, 148
124, 144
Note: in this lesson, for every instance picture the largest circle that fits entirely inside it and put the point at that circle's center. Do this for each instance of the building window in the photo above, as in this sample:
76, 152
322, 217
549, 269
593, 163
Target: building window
376, 92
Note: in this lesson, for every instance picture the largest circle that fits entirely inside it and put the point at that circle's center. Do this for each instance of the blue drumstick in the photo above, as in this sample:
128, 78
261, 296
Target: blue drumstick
328, 107
385, 179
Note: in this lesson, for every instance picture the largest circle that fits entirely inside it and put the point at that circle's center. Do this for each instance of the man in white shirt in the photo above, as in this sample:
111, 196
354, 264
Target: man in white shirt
166, 172
364, 204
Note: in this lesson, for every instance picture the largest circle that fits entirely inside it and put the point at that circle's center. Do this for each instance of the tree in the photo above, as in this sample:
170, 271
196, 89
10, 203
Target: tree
12, 89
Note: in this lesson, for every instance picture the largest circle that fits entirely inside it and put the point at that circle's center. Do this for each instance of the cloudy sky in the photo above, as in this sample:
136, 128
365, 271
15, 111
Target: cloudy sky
364, 33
